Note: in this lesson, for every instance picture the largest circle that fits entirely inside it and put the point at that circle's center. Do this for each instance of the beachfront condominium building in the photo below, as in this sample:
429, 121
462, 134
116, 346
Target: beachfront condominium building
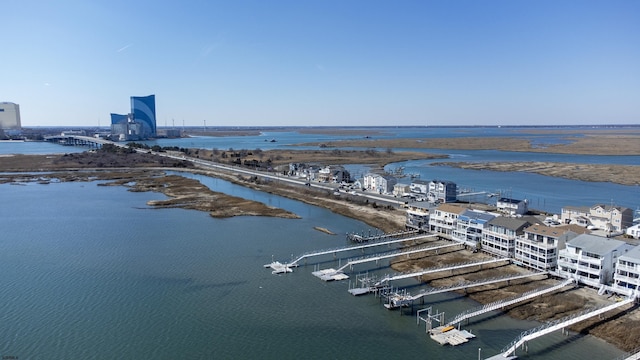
591, 259
500, 234
143, 109
443, 219
538, 247
9, 116
627, 276
470, 225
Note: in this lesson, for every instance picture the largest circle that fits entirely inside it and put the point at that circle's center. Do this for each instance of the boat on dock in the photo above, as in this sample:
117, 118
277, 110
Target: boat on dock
330, 275
278, 267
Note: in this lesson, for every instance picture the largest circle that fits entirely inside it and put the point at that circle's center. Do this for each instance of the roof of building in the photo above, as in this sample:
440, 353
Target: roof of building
423, 182
478, 215
610, 207
444, 182
510, 222
595, 244
541, 229
633, 254
510, 201
575, 228
583, 209
450, 208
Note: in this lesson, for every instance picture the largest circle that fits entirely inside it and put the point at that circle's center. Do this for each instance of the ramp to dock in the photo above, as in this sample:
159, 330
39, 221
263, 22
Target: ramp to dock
295, 262
507, 302
404, 299
442, 268
545, 329
362, 238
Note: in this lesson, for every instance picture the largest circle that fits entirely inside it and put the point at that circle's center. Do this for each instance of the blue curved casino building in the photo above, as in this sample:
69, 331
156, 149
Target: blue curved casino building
143, 109
140, 123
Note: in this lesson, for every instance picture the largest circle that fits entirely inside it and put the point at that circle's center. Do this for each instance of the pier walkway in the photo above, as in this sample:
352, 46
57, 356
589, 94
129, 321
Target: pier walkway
295, 262
510, 350
389, 278
507, 302
361, 238
337, 274
404, 299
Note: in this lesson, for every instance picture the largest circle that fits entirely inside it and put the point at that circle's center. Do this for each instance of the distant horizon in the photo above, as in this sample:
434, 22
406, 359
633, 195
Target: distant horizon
325, 63
347, 126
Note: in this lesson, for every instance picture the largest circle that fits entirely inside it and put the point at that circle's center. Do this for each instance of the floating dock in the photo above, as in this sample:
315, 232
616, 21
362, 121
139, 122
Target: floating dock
330, 275
449, 335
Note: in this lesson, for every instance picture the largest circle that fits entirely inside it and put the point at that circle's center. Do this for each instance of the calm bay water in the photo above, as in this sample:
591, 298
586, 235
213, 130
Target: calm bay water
89, 272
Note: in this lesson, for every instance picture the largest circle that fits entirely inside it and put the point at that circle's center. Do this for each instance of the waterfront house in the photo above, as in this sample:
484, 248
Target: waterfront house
605, 217
627, 274
590, 259
499, 236
443, 218
417, 216
512, 207
400, 190
382, 184
470, 225
334, 174
419, 186
634, 231
538, 247
442, 191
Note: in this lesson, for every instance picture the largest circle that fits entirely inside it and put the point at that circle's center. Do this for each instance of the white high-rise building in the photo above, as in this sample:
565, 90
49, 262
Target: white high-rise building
9, 116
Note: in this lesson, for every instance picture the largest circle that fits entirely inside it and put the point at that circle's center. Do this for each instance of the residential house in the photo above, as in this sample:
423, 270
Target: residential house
627, 274
417, 216
442, 191
512, 207
400, 190
385, 184
369, 181
303, 171
334, 174
443, 218
604, 217
500, 233
470, 225
538, 247
591, 259
634, 231
419, 186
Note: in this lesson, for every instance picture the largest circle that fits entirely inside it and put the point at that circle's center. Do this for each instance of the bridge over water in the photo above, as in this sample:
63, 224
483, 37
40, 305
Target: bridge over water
77, 140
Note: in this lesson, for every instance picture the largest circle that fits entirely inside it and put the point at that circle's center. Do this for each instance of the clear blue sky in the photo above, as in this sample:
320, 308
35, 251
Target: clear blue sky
325, 62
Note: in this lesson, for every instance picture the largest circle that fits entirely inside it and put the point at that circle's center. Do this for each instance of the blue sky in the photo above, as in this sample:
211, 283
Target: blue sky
328, 62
